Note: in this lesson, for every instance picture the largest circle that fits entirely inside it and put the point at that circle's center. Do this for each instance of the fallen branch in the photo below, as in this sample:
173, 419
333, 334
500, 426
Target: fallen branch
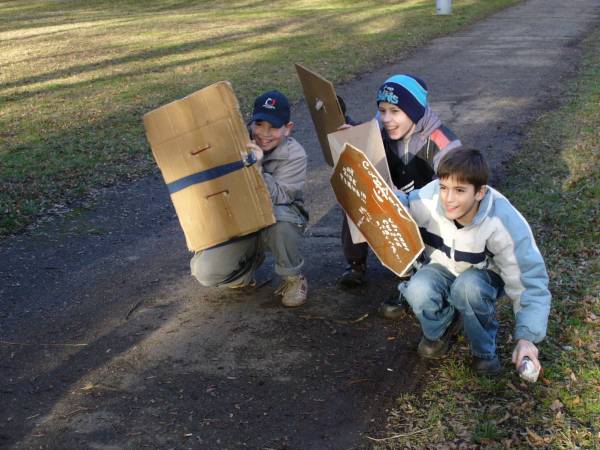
363, 317
398, 435
133, 308
327, 319
49, 344
75, 412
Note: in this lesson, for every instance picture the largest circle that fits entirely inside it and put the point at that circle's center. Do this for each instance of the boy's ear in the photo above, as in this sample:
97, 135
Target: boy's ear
480, 193
288, 128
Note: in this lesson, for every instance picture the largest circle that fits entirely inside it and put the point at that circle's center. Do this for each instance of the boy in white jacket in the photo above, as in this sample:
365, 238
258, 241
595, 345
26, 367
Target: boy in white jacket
478, 246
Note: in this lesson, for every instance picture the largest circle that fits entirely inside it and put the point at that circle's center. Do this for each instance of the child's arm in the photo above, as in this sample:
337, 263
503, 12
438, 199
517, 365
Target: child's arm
419, 202
286, 181
526, 281
402, 196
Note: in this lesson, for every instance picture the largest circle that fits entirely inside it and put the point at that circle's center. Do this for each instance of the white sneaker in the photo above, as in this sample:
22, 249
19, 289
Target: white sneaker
294, 290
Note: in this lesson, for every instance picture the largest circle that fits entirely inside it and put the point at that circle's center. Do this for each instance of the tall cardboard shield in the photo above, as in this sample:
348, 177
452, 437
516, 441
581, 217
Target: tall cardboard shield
372, 205
367, 137
199, 143
323, 105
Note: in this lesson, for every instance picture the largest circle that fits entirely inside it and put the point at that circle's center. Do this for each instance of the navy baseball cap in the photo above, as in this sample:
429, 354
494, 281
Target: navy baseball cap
272, 107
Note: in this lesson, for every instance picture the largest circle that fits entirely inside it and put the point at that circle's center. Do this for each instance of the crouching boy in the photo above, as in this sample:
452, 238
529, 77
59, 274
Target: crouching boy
282, 162
478, 245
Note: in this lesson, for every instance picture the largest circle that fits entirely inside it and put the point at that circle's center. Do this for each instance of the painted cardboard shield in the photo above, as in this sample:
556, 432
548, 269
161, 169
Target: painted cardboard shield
323, 105
367, 137
374, 208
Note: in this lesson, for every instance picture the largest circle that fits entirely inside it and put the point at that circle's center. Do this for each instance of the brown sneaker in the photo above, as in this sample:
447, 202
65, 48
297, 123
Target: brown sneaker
439, 348
487, 367
294, 290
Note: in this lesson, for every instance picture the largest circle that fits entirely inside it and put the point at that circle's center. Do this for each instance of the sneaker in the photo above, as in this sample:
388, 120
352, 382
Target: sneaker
393, 308
294, 290
353, 276
486, 367
435, 349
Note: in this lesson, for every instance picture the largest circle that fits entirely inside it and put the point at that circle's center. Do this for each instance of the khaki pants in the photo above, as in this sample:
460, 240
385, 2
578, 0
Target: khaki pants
235, 262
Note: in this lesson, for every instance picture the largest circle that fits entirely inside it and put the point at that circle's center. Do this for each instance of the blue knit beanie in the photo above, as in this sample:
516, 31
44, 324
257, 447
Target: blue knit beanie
407, 92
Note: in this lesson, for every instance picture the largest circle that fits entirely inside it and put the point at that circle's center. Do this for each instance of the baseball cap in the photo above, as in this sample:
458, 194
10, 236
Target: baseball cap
272, 107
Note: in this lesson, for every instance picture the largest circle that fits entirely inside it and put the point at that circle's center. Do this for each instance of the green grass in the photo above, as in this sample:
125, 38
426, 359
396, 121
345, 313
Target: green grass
76, 77
555, 183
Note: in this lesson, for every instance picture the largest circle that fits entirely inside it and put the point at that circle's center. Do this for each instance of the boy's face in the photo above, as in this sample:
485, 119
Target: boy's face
266, 136
460, 200
395, 121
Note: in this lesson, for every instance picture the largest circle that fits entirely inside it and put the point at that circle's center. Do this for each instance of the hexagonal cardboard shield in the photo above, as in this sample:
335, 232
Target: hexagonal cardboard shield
367, 137
374, 208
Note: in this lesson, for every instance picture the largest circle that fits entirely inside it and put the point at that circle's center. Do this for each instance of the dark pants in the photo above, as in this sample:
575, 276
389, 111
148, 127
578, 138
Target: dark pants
354, 253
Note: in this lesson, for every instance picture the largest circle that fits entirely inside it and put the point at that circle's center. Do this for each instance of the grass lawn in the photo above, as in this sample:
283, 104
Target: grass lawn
76, 77
555, 183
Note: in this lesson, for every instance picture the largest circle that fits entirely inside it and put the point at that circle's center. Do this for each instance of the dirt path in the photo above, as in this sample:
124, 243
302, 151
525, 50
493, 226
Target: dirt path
106, 341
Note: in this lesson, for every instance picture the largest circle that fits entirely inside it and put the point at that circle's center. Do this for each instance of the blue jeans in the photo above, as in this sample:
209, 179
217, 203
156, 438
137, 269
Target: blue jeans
436, 295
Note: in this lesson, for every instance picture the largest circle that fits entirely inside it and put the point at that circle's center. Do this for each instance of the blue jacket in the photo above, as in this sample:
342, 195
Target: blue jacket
499, 239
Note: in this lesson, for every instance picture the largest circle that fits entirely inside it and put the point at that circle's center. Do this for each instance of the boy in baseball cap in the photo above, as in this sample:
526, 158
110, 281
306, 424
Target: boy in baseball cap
282, 161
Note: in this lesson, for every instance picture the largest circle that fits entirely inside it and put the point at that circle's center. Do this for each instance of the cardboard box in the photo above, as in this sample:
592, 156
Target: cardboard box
323, 105
366, 137
372, 205
199, 143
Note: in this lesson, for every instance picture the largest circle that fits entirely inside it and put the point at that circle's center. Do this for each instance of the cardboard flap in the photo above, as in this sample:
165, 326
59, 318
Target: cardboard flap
323, 105
213, 103
372, 205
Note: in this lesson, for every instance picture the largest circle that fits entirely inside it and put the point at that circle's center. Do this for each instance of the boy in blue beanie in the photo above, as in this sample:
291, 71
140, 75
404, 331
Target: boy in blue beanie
477, 245
282, 162
414, 139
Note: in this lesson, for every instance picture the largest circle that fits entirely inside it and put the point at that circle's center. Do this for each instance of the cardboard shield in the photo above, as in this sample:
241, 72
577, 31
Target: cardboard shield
199, 143
372, 205
323, 105
367, 137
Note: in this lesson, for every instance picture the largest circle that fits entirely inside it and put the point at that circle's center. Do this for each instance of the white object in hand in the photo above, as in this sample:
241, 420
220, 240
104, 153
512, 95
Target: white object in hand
528, 371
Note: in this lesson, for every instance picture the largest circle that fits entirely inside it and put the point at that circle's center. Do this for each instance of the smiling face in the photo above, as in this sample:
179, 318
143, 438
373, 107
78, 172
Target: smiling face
395, 121
266, 136
460, 200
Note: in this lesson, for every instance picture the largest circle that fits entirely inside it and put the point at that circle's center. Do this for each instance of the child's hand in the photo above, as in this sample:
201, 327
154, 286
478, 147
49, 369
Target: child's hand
344, 126
526, 350
258, 152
